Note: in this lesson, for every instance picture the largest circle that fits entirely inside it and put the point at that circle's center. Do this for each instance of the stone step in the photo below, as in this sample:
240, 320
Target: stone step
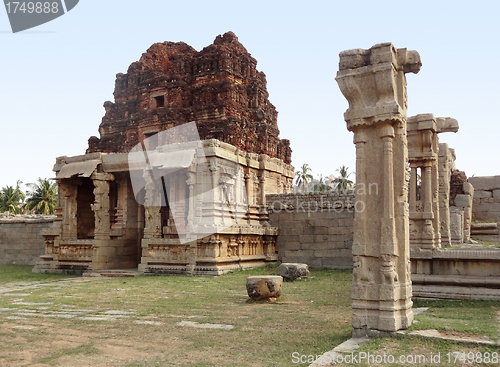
474, 226
112, 273
484, 229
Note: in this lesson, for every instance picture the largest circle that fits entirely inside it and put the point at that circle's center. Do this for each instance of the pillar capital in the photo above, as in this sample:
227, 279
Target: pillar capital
374, 83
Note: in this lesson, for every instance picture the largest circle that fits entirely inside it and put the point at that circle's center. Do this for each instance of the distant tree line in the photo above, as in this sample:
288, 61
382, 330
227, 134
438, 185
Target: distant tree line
305, 181
41, 198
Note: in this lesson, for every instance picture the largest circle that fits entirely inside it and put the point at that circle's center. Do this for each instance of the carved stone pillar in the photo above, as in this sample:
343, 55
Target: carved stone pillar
250, 180
67, 198
191, 209
262, 191
103, 252
426, 224
446, 165
444, 171
152, 225
374, 83
101, 205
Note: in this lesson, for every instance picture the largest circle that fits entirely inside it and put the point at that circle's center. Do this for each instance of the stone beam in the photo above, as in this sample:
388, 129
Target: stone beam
374, 83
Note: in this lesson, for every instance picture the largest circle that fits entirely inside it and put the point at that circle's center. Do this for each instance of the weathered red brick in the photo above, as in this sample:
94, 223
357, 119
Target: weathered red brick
219, 88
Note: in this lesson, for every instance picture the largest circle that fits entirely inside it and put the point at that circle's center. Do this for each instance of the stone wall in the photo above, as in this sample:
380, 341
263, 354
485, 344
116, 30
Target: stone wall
486, 203
314, 228
20, 238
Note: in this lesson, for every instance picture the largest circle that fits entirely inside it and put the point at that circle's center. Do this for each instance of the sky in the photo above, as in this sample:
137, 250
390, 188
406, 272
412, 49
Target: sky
55, 78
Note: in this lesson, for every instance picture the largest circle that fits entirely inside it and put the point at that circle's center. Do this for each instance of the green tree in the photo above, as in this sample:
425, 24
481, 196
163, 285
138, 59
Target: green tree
342, 182
11, 199
42, 199
321, 185
303, 177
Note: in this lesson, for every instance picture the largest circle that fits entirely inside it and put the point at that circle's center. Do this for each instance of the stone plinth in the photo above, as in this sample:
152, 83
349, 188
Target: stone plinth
292, 271
264, 286
374, 83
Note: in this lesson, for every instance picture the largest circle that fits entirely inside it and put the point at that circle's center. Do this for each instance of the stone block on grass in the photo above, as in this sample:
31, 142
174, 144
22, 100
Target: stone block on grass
264, 286
292, 271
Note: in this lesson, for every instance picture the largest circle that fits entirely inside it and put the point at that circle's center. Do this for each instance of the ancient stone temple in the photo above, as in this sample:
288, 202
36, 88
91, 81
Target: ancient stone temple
218, 87
176, 182
374, 83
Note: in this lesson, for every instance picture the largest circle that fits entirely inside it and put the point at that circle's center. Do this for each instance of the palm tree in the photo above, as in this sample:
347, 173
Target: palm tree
321, 185
303, 178
43, 197
343, 183
11, 199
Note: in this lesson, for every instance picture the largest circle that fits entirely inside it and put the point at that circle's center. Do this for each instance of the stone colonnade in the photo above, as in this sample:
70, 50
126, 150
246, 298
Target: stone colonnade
429, 201
208, 218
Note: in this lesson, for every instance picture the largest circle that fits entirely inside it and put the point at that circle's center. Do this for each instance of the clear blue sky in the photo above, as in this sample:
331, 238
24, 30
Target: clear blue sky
55, 78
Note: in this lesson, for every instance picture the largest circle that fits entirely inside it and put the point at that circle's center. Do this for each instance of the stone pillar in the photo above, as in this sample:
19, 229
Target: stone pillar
191, 209
101, 205
446, 164
152, 225
249, 188
104, 253
424, 208
444, 171
374, 83
262, 190
68, 203
250, 181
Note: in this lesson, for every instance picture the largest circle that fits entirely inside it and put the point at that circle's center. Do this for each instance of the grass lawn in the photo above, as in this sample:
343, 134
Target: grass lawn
312, 316
48, 320
22, 273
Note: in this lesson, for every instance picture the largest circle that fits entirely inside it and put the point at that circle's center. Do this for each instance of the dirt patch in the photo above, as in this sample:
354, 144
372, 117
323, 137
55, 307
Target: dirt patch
74, 345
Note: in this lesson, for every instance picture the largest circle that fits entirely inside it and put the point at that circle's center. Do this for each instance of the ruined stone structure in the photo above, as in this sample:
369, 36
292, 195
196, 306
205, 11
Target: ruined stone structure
429, 205
461, 195
486, 205
374, 83
217, 195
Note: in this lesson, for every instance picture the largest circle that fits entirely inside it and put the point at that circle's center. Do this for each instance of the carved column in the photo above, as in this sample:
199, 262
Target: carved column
152, 225
191, 209
101, 205
426, 224
374, 83
444, 170
445, 167
262, 190
104, 253
67, 196
250, 179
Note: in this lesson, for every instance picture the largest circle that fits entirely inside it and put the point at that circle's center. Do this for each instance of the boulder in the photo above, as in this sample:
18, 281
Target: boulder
264, 286
292, 271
